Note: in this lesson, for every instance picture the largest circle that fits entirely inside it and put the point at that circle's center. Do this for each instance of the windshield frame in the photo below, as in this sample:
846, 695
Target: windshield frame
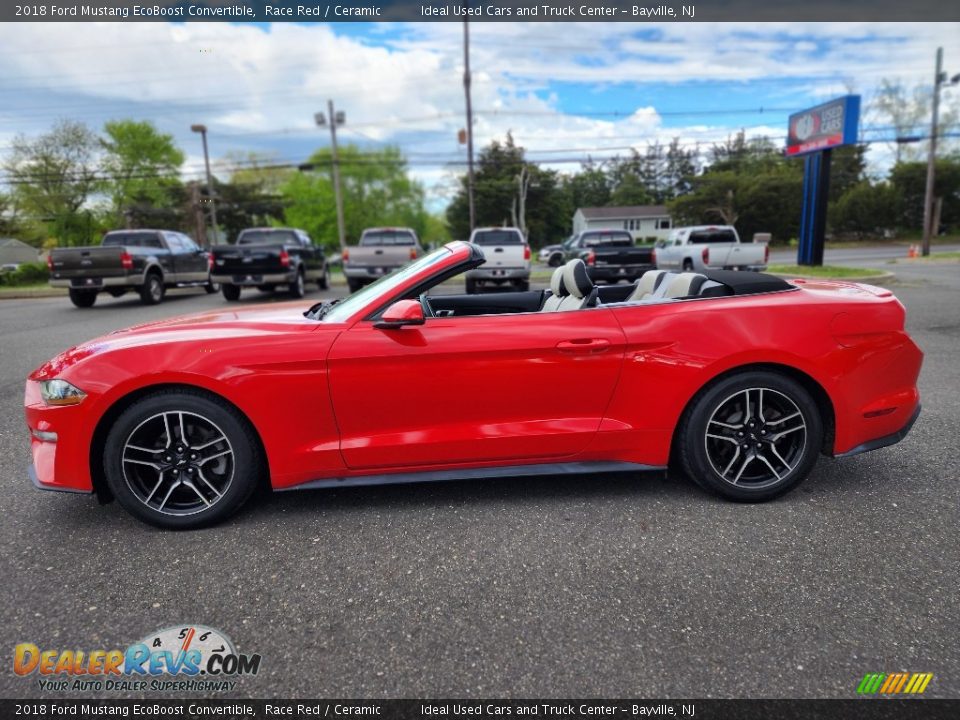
372, 298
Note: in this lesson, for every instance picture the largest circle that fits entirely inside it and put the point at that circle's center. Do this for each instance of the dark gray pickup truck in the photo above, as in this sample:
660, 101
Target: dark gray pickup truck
147, 261
267, 257
611, 255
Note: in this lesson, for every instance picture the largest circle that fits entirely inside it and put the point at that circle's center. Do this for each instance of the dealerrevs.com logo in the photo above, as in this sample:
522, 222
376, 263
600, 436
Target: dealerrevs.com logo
181, 658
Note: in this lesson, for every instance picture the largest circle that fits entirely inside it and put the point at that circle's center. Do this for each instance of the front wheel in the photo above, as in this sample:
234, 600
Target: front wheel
211, 288
556, 260
230, 292
181, 459
751, 437
83, 298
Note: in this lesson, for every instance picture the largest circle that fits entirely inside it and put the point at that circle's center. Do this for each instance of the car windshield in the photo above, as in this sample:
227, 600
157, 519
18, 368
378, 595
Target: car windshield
140, 239
266, 237
497, 237
376, 238
702, 237
382, 287
608, 238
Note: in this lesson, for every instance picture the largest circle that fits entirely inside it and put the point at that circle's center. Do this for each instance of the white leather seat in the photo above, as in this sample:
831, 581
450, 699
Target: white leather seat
684, 285
583, 293
646, 285
558, 291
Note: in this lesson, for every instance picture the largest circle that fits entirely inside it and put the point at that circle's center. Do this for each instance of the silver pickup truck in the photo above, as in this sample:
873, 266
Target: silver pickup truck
380, 251
709, 247
508, 259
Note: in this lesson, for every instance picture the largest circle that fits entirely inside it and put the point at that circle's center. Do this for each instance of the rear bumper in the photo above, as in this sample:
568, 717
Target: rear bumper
367, 272
617, 272
499, 274
126, 281
885, 441
254, 279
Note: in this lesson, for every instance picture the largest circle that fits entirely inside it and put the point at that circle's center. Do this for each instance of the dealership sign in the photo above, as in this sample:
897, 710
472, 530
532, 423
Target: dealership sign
825, 126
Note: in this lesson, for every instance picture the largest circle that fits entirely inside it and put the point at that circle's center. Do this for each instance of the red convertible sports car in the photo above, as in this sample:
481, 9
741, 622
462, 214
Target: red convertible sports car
740, 379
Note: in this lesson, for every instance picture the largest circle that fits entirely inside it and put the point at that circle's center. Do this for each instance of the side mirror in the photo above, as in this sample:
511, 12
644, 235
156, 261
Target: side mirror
401, 313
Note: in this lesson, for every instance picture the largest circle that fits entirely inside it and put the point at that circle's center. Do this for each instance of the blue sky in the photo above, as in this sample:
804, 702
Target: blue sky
565, 91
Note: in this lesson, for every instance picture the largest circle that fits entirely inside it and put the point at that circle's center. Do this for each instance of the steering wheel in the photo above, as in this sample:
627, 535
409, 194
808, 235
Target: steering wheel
425, 304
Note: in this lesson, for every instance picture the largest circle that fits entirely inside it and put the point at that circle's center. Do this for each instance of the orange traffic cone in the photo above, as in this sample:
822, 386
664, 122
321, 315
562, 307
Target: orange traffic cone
912, 251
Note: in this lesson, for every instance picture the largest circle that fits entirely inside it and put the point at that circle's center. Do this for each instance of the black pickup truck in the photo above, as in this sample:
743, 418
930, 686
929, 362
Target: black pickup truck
267, 257
147, 261
611, 255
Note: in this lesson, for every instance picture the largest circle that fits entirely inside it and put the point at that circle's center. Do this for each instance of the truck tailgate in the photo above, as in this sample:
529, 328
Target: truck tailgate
247, 260
622, 256
68, 263
379, 256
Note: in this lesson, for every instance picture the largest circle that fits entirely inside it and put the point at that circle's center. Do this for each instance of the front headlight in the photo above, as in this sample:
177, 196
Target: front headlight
60, 392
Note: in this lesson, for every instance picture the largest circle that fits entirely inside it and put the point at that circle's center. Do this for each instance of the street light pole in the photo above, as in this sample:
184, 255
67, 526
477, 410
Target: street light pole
466, 90
202, 129
335, 119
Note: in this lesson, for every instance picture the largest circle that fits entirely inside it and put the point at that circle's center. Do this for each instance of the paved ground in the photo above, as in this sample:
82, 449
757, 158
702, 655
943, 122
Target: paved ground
587, 586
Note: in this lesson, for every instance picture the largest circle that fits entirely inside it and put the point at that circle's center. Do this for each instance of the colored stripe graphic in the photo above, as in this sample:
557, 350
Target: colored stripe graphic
894, 683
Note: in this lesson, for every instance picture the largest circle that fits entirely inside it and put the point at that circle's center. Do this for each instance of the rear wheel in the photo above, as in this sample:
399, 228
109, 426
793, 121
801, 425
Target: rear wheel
83, 298
556, 260
751, 437
181, 460
354, 284
212, 287
298, 287
152, 290
688, 265
230, 292
471, 286
323, 282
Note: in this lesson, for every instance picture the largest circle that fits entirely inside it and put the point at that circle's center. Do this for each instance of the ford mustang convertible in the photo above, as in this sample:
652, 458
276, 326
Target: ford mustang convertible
738, 379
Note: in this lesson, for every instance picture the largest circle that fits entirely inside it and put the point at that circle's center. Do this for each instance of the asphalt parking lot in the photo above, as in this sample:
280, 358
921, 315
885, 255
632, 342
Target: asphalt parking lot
611, 586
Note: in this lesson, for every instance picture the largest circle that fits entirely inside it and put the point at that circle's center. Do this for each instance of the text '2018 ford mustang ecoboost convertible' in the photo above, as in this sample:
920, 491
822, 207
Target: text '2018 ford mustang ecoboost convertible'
739, 378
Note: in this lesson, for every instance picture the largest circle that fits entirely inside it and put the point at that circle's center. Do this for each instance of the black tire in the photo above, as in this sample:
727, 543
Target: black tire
323, 282
720, 450
152, 290
298, 288
354, 284
214, 487
523, 286
230, 292
211, 288
688, 265
556, 260
471, 286
83, 298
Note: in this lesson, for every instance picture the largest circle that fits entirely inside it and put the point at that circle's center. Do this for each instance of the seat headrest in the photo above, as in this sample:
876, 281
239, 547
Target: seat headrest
647, 283
557, 286
576, 279
684, 285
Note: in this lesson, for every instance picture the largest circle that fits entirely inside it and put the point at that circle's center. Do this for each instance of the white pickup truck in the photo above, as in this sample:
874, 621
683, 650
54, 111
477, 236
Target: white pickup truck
709, 247
508, 259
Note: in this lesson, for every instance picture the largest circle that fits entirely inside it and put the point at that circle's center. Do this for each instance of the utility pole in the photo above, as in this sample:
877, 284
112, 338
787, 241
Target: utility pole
928, 228
466, 90
335, 119
202, 129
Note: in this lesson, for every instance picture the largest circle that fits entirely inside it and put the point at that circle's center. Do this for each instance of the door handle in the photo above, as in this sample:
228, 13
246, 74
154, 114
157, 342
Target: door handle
583, 346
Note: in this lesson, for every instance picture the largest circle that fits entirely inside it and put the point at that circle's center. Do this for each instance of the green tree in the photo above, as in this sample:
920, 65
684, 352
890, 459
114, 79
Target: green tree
142, 167
909, 179
53, 176
866, 210
376, 191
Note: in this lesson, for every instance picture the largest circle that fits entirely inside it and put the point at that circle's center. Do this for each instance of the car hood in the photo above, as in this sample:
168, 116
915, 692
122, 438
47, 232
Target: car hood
253, 322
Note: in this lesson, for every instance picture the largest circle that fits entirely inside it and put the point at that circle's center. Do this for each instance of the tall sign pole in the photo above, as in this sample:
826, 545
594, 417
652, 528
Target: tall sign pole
928, 228
813, 134
466, 90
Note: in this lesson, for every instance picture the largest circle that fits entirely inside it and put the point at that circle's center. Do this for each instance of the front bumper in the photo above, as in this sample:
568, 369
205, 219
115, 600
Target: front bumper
62, 463
35, 479
252, 280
